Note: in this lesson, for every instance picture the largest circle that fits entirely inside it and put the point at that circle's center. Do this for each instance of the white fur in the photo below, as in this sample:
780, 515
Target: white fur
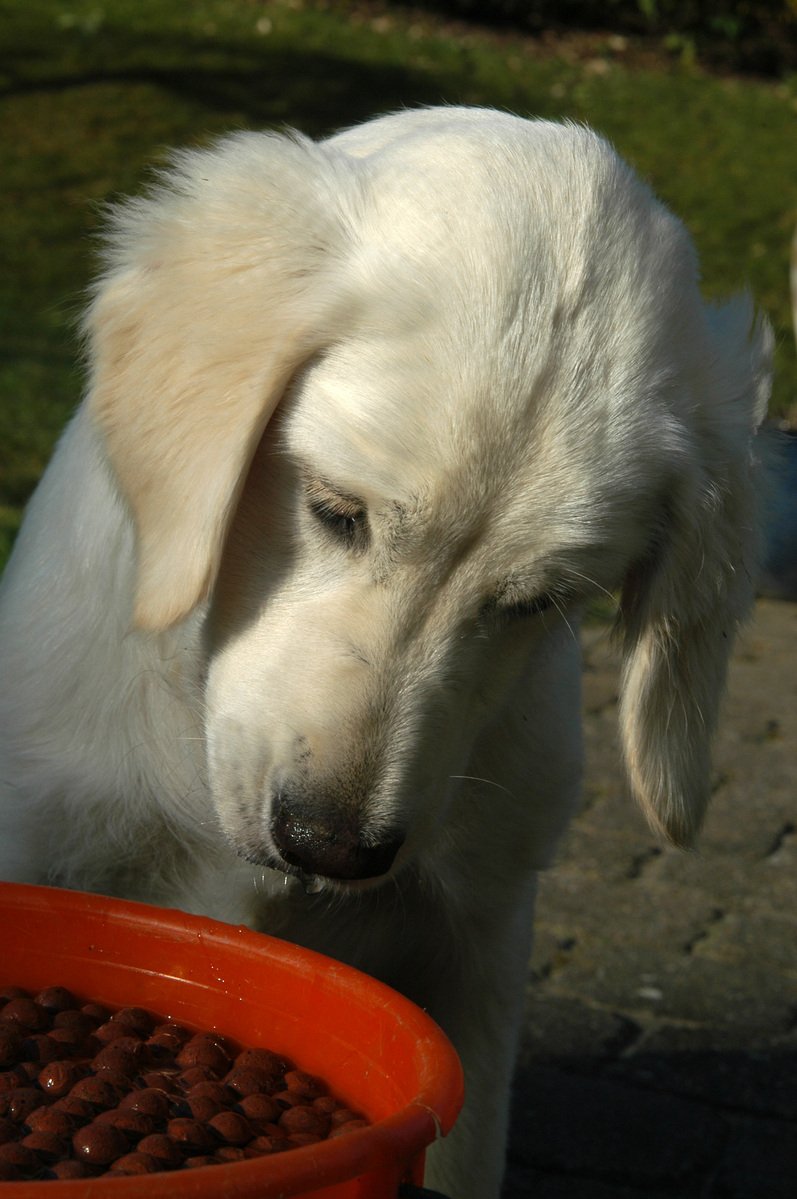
489, 333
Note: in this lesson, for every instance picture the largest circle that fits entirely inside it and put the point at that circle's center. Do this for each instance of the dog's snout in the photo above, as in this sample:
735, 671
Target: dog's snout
318, 842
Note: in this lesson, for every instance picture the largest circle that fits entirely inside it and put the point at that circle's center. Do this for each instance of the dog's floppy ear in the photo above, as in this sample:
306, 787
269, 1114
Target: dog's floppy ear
219, 283
682, 605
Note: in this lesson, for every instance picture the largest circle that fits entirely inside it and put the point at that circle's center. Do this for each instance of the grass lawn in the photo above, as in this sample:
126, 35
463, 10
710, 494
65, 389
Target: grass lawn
91, 93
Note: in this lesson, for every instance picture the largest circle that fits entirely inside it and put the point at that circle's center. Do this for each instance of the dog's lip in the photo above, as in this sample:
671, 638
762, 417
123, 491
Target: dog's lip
312, 884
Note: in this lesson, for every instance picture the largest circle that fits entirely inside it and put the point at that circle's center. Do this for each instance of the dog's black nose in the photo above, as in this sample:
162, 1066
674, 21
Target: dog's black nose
317, 843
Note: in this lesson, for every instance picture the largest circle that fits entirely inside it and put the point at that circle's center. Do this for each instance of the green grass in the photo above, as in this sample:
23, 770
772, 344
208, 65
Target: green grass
91, 93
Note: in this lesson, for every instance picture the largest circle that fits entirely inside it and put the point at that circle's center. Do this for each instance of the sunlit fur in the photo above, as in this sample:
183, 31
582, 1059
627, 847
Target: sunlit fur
367, 422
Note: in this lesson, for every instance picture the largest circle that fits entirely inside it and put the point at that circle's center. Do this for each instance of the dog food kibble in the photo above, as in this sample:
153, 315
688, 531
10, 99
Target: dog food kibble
99, 1144
55, 999
136, 1163
86, 1091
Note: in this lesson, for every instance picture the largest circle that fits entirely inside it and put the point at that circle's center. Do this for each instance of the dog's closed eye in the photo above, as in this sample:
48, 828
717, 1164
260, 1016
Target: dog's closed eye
527, 607
343, 517
501, 611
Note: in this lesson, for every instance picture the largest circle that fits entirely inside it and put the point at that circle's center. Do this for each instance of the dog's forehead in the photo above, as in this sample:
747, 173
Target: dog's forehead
385, 417
472, 458
509, 336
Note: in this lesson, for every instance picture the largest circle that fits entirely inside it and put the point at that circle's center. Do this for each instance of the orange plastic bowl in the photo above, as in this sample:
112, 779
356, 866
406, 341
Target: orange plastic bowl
377, 1051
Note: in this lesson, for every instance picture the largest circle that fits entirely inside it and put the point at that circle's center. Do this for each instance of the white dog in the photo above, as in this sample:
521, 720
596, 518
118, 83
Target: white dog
290, 632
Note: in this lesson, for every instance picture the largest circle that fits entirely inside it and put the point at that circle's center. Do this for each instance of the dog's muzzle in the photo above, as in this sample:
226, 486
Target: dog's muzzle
318, 841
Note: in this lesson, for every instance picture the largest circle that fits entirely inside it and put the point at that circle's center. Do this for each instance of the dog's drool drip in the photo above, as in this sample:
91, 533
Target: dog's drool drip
311, 883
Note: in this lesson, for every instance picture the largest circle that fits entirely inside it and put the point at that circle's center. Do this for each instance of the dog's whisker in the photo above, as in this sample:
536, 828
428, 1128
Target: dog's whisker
562, 612
576, 574
473, 778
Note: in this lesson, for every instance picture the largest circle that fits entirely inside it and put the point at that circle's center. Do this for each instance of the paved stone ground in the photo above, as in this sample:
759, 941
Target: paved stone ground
660, 1053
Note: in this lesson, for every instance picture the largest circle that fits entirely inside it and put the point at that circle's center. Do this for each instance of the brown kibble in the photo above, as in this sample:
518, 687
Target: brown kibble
46, 1119
262, 1059
96, 1012
121, 1083
161, 1080
173, 1030
267, 1144
15, 1154
127, 1043
110, 1031
96, 1091
10, 1044
262, 1108
213, 1089
248, 1081
163, 1045
46, 1145
191, 1135
305, 1084
136, 1020
68, 1040
202, 1159
230, 1153
343, 1115
40, 1047
74, 1019
232, 1127
136, 1163
204, 1109
19, 1103
133, 1124
10, 992
298, 1139
150, 1101
99, 1144
204, 1050
344, 1129
289, 1099
136, 1124
125, 1059
8, 1130
69, 1168
58, 1078
25, 1014
163, 1148
80, 1109
12, 1080
301, 1119
91, 1092
196, 1074
55, 999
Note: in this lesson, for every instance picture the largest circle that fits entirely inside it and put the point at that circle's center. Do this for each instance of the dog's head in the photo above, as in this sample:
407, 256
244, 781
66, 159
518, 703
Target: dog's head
396, 403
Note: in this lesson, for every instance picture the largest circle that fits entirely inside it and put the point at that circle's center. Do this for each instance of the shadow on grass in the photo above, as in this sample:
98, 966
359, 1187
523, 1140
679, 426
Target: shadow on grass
84, 112
265, 82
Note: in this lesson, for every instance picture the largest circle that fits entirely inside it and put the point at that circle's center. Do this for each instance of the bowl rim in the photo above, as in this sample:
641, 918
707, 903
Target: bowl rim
404, 1133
